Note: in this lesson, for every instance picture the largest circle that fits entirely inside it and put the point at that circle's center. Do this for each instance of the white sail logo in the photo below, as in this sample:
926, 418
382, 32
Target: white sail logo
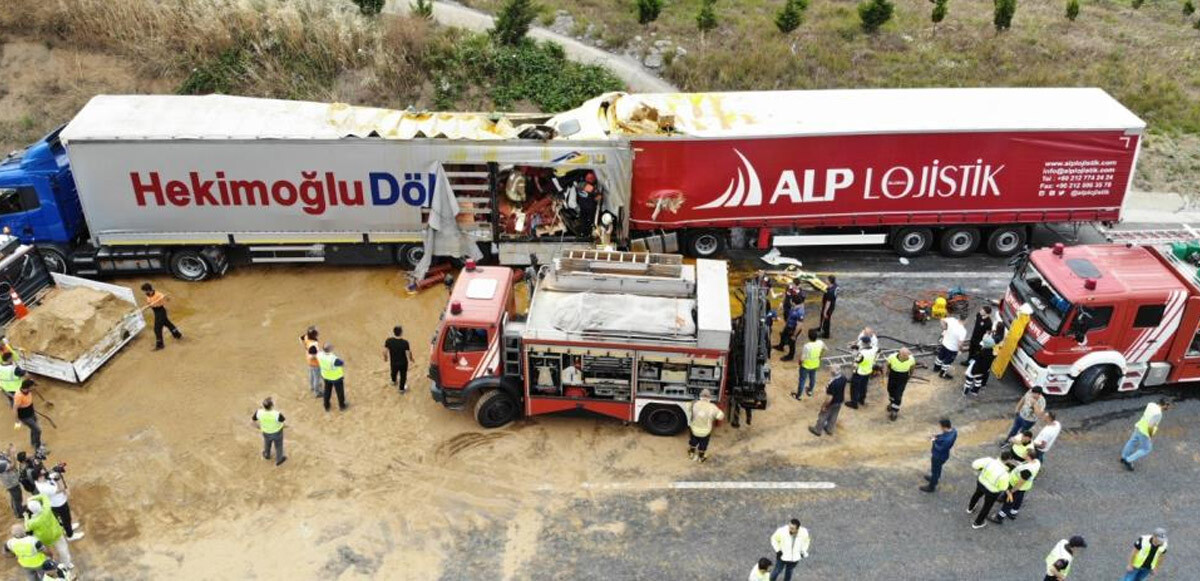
746, 192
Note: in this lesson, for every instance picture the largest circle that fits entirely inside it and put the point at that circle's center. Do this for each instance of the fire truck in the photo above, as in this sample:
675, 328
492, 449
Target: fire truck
1109, 316
632, 336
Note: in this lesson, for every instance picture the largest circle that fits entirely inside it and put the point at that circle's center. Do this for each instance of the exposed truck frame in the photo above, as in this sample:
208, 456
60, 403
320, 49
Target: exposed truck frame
631, 336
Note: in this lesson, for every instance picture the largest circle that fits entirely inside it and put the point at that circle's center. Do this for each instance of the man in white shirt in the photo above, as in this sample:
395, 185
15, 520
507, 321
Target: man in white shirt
52, 484
1047, 436
572, 375
790, 542
953, 336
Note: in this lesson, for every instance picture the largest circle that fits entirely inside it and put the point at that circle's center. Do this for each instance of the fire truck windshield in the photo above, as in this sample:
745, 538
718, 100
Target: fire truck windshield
1049, 307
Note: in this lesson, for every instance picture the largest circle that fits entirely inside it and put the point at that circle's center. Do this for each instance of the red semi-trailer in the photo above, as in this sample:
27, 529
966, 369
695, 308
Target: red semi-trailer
961, 169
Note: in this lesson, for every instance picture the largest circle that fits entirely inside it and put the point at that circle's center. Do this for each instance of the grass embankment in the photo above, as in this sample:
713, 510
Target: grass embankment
322, 50
1148, 58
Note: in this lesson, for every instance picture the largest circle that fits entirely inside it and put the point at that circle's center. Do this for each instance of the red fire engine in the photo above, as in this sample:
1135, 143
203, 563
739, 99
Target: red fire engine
632, 336
1108, 316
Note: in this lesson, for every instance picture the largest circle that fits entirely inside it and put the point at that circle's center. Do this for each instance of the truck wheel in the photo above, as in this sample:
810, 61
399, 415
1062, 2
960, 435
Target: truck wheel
1005, 241
409, 255
705, 243
910, 242
663, 420
959, 241
495, 408
189, 265
1093, 382
54, 259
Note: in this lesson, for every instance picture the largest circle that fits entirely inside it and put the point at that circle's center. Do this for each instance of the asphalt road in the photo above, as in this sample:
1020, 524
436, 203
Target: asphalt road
875, 524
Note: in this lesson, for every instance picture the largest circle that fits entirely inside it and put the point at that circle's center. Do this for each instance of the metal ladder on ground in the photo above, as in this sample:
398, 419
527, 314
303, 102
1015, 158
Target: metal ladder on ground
1183, 233
848, 359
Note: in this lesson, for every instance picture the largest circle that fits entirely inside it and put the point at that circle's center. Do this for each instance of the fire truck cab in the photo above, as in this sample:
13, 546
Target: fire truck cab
1107, 317
633, 336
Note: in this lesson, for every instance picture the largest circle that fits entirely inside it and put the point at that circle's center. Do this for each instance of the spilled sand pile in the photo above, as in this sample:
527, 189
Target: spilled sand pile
68, 322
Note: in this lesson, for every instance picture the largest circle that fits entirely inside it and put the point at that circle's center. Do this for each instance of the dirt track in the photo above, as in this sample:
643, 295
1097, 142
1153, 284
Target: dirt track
167, 478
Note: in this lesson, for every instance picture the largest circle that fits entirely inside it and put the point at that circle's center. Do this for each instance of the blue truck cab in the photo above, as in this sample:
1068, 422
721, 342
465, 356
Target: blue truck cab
38, 201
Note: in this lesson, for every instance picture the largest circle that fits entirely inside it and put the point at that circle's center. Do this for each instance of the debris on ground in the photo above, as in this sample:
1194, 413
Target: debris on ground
69, 322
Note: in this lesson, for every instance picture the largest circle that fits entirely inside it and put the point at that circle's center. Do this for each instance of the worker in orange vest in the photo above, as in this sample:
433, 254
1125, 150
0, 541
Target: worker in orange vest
311, 349
157, 302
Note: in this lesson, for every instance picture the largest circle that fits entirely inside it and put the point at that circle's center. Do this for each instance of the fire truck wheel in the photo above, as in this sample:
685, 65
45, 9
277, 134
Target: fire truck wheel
1006, 240
909, 242
189, 265
705, 243
1093, 382
495, 408
959, 241
663, 420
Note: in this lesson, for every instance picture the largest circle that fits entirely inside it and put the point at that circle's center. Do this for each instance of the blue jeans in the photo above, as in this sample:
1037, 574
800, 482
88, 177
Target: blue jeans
1136, 575
935, 470
806, 376
1019, 425
1138, 445
784, 567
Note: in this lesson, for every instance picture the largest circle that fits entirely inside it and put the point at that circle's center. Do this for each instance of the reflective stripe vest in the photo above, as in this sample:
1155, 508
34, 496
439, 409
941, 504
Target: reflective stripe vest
895, 364
28, 555
329, 371
812, 354
1140, 558
867, 365
1059, 552
9, 381
268, 420
1022, 450
1033, 466
312, 359
993, 474
44, 526
1143, 425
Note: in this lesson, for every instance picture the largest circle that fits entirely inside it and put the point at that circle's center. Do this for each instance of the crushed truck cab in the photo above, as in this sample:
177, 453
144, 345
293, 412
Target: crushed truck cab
631, 336
1106, 317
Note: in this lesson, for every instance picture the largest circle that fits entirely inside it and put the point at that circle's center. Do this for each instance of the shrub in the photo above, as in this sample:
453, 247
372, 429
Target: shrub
1003, 15
939, 11
370, 7
423, 9
874, 14
789, 17
1072, 10
648, 10
512, 23
1137, 3
1188, 8
706, 19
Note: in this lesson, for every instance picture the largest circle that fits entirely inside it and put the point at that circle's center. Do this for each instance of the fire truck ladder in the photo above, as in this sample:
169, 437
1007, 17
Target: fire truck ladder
578, 260
1184, 233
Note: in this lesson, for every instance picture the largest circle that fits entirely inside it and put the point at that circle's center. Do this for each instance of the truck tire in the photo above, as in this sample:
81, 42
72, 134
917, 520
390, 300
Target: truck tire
189, 265
54, 259
909, 242
705, 243
959, 241
663, 420
495, 408
1006, 241
1093, 382
409, 255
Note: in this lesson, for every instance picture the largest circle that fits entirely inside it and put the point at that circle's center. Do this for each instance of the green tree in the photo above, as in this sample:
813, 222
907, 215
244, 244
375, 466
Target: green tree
1137, 3
423, 9
370, 7
939, 11
706, 19
1072, 10
874, 14
512, 23
1188, 8
790, 16
648, 10
1003, 15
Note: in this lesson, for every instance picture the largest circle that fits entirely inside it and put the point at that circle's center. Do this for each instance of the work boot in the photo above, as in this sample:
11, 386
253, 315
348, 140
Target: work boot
852, 405
281, 461
996, 519
266, 455
158, 346
691, 453
1128, 465
892, 415
814, 431
177, 334
926, 488
701, 458
979, 526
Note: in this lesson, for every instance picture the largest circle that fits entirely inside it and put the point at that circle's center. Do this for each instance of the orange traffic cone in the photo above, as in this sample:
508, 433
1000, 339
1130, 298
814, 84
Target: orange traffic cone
19, 308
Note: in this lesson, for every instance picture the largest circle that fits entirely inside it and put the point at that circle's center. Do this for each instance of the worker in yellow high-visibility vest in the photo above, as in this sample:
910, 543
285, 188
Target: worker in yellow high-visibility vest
11, 375
333, 371
810, 363
1147, 555
31, 554
270, 422
900, 365
1062, 556
1139, 442
993, 480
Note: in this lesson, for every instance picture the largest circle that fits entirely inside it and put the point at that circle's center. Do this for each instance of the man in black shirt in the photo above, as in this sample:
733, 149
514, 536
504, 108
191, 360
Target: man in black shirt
396, 350
828, 302
827, 418
983, 325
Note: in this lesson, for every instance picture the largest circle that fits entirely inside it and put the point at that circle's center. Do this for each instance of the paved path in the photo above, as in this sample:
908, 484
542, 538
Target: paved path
636, 77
